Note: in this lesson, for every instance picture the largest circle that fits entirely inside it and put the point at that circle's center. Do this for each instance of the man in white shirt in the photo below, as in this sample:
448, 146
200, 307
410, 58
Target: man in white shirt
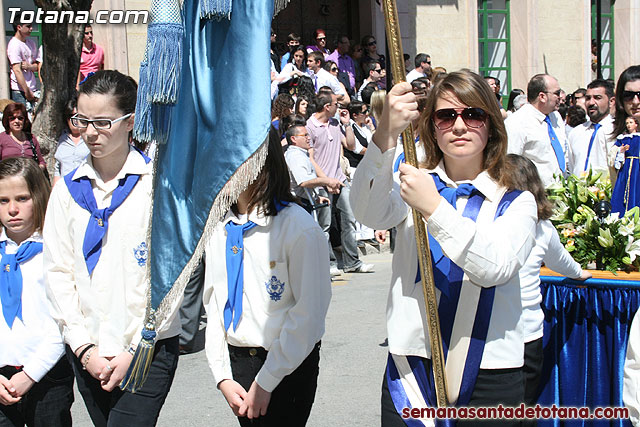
322, 77
590, 142
304, 179
536, 131
372, 70
423, 66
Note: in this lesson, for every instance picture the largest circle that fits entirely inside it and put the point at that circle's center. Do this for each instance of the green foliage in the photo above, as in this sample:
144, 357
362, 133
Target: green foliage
613, 243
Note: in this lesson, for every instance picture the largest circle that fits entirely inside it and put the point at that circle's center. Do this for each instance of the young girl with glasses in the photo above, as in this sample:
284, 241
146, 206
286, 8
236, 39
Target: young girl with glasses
36, 379
95, 257
481, 233
267, 291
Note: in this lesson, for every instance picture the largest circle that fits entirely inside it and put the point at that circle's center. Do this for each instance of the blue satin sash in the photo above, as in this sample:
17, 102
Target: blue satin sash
448, 277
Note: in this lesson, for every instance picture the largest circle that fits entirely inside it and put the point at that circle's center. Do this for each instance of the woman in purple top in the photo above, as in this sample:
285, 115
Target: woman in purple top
320, 39
17, 141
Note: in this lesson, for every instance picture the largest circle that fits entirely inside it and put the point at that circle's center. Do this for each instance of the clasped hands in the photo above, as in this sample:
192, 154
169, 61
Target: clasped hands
251, 404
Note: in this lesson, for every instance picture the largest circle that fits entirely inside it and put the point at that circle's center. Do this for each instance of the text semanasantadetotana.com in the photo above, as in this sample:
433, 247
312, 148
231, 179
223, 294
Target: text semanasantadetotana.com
518, 412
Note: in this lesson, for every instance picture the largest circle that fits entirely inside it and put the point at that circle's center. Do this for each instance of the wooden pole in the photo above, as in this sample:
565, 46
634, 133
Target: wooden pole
424, 255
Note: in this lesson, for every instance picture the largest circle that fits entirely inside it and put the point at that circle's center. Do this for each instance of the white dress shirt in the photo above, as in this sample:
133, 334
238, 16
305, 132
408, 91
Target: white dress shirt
414, 74
108, 307
529, 137
34, 342
292, 249
487, 255
325, 78
579, 145
549, 250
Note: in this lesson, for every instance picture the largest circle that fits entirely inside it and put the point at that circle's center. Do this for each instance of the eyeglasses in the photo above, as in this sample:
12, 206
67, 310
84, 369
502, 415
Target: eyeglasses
364, 112
556, 93
301, 134
373, 43
473, 117
334, 70
628, 95
16, 118
86, 33
81, 123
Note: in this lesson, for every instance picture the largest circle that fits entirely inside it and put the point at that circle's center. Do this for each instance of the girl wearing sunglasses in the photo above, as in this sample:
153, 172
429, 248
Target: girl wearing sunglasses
626, 192
17, 140
481, 233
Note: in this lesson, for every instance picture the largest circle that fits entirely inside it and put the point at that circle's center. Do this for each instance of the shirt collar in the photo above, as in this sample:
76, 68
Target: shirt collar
483, 182
134, 165
35, 237
93, 48
535, 112
256, 216
302, 150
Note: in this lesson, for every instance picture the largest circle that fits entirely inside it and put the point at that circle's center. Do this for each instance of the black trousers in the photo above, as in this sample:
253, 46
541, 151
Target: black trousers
47, 404
493, 386
291, 400
533, 361
121, 408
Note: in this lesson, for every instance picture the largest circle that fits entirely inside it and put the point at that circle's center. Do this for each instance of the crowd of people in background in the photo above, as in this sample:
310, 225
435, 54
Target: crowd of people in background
332, 125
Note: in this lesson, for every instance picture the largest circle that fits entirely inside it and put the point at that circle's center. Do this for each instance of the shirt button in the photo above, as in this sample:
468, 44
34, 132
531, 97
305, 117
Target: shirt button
253, 352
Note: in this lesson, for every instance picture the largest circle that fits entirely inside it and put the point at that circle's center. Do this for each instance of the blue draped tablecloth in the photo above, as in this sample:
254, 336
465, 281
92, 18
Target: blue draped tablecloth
586, 330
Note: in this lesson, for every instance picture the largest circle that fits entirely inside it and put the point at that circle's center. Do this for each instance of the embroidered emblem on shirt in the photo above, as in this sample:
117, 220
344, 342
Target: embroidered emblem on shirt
275, 288
272, 264
141, 253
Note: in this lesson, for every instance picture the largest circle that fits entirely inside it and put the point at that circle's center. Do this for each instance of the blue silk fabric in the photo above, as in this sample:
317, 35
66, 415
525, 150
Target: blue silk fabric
221, 118
586, 330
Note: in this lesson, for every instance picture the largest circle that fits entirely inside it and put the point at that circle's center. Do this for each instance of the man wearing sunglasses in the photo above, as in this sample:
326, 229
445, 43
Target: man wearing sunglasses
536, 131
590, 142
24, 58
423, 66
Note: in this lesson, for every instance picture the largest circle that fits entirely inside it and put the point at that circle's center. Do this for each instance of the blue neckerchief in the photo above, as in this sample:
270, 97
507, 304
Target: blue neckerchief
596, 126
11, 278
82, 193
555, 144
235, 268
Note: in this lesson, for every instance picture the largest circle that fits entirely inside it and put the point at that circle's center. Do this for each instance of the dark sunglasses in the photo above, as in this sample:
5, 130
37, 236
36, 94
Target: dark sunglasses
334, 69
628, 95
372, 43
473, 117
16, 118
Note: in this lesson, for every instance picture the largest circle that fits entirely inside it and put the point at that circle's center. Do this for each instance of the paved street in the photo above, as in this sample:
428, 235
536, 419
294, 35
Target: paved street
353, 357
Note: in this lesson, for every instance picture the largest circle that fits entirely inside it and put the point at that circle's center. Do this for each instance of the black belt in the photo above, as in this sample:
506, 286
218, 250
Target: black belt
255, 351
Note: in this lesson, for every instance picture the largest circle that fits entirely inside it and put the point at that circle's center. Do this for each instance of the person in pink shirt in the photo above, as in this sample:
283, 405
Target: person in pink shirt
92, 58
23, 59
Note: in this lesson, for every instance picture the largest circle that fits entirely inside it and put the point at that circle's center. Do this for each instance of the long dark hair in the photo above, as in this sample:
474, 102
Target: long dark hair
37, 184
629, 75
293, 50
273, 182
522, 174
